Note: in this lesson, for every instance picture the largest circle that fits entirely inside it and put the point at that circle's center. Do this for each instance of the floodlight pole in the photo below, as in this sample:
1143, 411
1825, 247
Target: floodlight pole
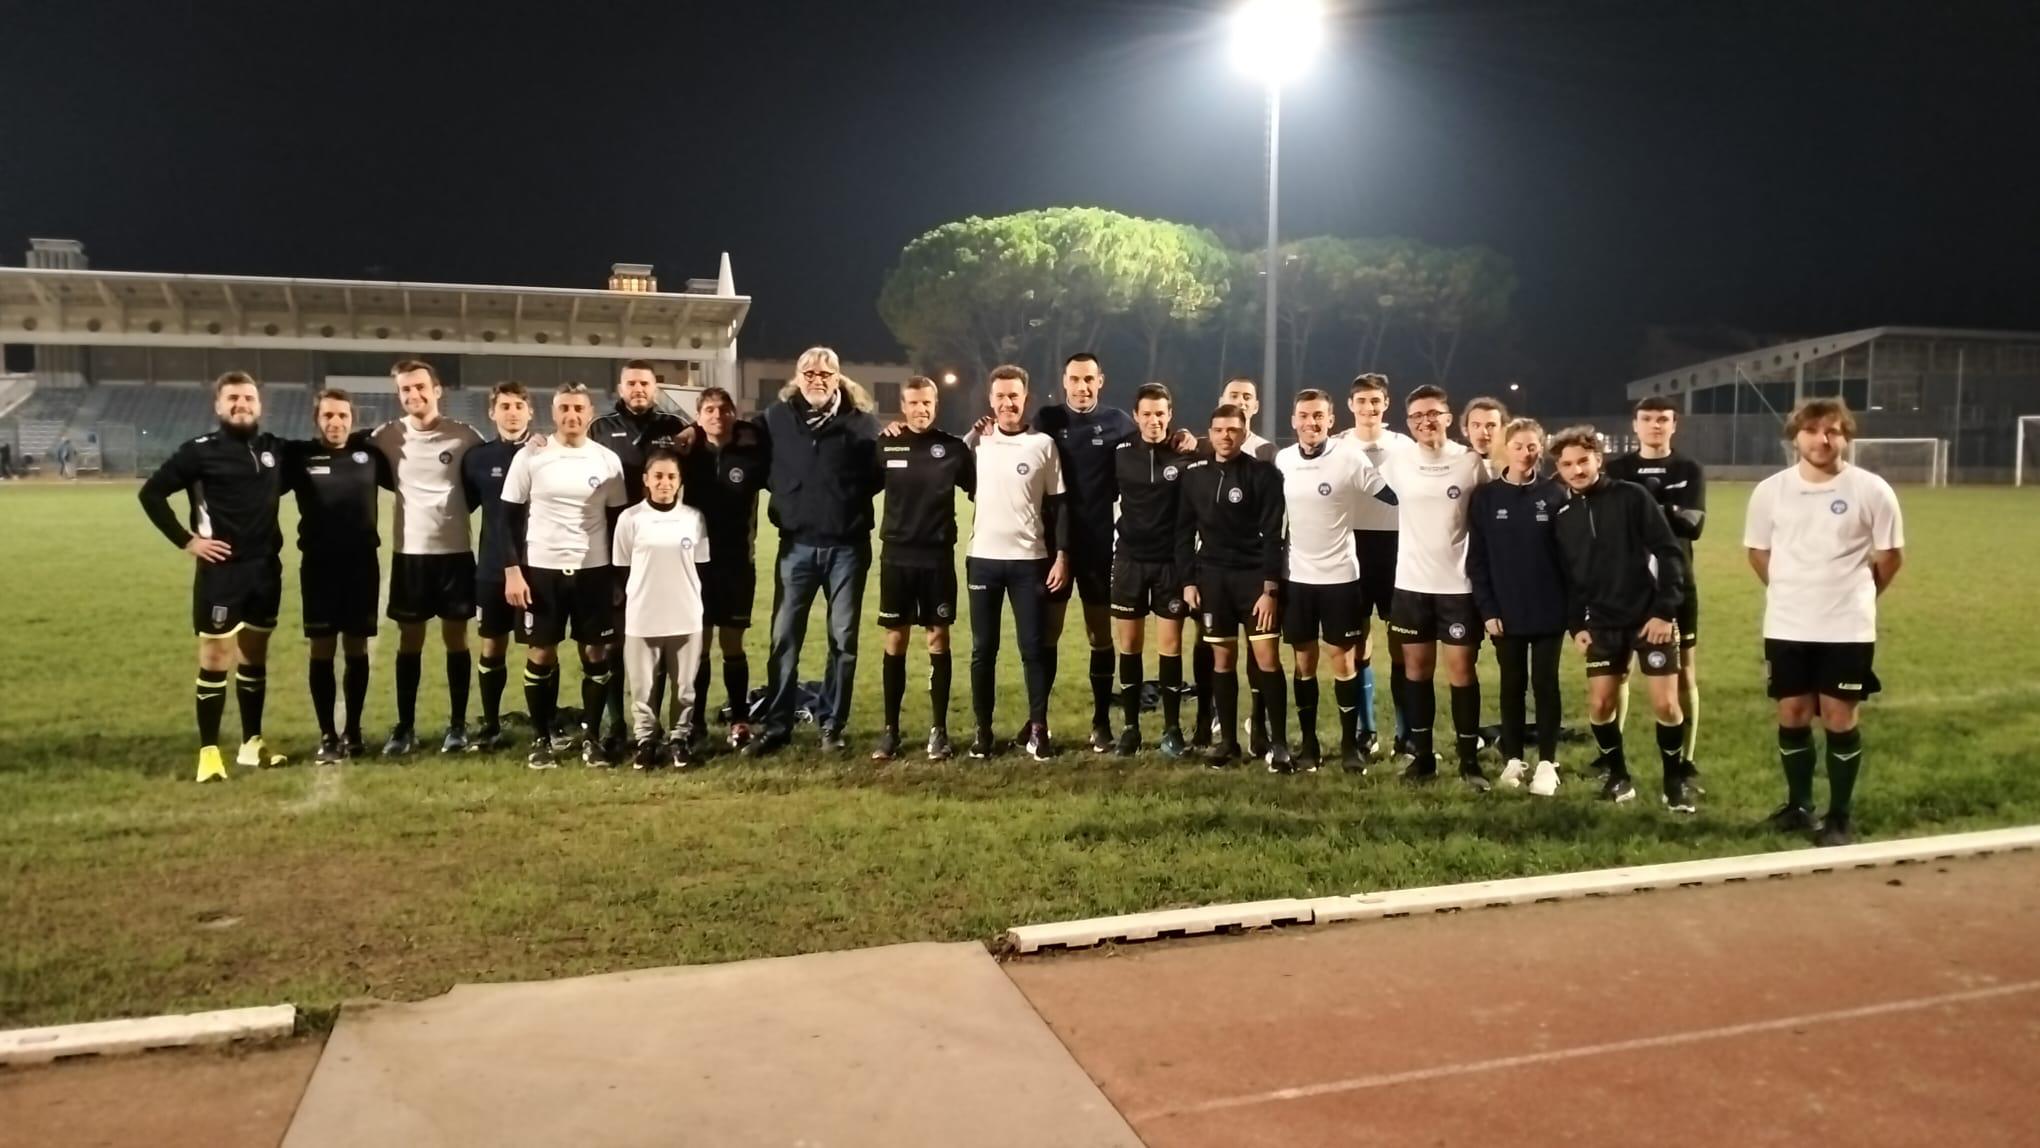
1271, 400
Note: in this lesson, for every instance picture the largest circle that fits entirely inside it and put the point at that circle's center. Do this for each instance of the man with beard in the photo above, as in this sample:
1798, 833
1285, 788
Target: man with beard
231, 479
482, 472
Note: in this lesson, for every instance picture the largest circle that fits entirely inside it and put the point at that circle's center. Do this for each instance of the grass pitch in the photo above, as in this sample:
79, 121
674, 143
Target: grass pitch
125, 889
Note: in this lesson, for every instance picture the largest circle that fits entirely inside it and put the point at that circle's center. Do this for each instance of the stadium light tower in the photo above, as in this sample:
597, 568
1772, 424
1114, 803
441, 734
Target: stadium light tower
1273, 41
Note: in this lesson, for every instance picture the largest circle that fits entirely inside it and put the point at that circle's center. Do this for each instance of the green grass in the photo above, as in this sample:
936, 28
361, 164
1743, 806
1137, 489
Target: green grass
125, 889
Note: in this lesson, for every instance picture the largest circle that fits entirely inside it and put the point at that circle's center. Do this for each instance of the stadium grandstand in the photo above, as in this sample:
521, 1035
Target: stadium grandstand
123, 360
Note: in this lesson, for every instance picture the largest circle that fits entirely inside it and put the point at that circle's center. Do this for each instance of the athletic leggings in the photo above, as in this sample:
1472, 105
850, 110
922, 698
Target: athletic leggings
1529, 664
992, 581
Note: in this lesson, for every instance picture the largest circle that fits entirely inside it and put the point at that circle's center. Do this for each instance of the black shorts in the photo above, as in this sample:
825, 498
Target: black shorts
497, 617
1834, 669
727, 590
229, 596
915, 595
339, 594
1689, 619
1337, 612
1226, 603
1609, 651
586, 598
428, 586
1377, 572
1090, 575
1449, 618
1143, 588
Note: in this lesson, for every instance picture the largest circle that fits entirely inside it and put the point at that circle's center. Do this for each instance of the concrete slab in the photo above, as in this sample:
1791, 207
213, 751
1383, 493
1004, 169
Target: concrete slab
903, 1045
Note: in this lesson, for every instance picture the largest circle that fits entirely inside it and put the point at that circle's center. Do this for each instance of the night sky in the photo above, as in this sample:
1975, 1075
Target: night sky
1782, 165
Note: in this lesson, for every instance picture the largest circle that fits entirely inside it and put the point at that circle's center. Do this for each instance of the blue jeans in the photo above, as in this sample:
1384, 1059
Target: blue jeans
838, 572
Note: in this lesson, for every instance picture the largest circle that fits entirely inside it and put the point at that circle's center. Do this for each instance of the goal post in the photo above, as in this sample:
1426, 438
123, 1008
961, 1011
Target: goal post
2029, 430
1909, 460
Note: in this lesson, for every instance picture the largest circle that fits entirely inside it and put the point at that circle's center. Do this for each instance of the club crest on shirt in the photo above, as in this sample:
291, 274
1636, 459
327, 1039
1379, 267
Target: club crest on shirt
1324, 488
1838, 506
943, 609
268, 459
937, 451
445, 456
1452, 492
593, 482
1169, 474
736, 474
1456, 629
361, 456
687, 544
1655, 659
1234, 495
1023, 468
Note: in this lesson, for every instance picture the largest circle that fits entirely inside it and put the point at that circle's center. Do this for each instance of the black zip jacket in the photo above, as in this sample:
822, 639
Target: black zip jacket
1150, 478
632, 436
1680, 486
482, 470
337, 495
823, 477
921, 473
1087, 443
1234, 509
723, 482
1608, 534
233, 483
1512, 555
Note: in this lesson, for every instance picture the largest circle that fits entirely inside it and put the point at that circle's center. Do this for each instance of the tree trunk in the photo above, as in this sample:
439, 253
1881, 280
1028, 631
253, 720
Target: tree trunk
1154, 342
1224, 341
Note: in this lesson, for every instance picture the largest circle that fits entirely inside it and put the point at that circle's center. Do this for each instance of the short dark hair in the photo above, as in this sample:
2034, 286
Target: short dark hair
1582, 436
709, 393
1247, 379
1084, 357
1153, 391
332, 394
1484, 403
234, 379
406, 366
1311, 395
918, 383
1229, 411
1658, 403
1814, 410
508, 387
1369, 382
665, 454
637, 365
1427, 391
1009, 371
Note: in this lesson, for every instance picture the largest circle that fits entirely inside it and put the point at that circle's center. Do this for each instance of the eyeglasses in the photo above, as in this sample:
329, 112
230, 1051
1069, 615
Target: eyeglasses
817, 376
1429, 416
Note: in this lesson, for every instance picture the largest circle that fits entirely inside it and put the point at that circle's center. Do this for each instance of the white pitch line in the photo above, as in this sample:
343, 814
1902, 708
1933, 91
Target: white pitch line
1385, 1080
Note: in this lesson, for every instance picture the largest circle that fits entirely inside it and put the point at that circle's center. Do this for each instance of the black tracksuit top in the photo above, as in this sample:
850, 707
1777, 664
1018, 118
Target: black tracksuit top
1087, 443
921, 473
234, 484
632, 436
1680, 486
1150, 479
1608, 534
1229, 517
337, 490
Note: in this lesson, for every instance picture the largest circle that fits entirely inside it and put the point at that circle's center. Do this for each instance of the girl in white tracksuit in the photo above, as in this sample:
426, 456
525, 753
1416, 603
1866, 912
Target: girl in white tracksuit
658, 546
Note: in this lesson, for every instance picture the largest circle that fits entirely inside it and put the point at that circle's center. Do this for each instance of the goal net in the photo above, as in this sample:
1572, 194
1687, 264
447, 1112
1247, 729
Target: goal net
2029, 439
1919, 461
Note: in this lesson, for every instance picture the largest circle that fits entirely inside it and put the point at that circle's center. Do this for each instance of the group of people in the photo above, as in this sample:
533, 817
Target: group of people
633, 532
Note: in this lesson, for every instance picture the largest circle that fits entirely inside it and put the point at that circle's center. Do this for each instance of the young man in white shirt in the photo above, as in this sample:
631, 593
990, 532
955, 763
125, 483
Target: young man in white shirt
1434, 482
657, 552
562, 497
432, 574
1323, 482
1375, 537
1019, 552
1826, 539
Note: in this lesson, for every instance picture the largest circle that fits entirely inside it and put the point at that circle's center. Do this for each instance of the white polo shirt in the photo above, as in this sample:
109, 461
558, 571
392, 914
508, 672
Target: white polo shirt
662, 547
570, 490
1433, 490
1375, 514
1016, 473
1322, 496
432, 509
1821, 536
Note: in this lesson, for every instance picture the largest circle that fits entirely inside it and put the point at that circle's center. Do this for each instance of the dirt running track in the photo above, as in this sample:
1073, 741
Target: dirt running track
230, 1097
1886, 1006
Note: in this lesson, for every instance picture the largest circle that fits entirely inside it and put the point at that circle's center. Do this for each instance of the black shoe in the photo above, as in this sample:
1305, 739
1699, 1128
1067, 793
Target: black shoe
1128, 743
1421, 770
647, 755
1037, 744
1219, 755
456, 740
1279, 759
568, 741
1618, 788
1309, 756
1201, 740
1101, 738
833, 741
352, 745
984, 745
487, 739
765, 745
542, 756
1257, 741
1403, 747
939, 748
402, 743
1790, 818
888, 746
1488, 735
1679, 796
1370, 745
680, 753
329, 751
1692, 778
1172, 744
1353, 759
616, 749
1474, 778
592, 754
1834, 830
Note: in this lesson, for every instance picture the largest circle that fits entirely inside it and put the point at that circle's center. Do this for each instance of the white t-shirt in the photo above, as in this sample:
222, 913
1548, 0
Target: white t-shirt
1323, 496
1821, 537
1433, 490
662, 599
1016, 473
432, 509
1375, 514
570, 490
1254, 446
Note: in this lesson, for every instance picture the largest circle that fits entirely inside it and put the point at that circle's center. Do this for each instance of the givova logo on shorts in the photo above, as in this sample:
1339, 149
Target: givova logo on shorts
1655, 659
1456, 629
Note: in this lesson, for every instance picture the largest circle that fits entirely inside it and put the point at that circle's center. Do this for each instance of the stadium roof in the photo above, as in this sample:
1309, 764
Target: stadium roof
1721, 372
79, 307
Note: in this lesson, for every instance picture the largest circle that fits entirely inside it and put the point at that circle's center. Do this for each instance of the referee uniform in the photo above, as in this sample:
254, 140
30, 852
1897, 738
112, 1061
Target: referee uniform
339, 575
922, 471
723, 483
1087, 446
1229, 546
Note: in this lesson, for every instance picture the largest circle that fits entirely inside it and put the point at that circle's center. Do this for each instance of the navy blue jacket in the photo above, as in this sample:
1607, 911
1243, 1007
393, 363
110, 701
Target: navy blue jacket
823, 479
1512, 555
1088, 445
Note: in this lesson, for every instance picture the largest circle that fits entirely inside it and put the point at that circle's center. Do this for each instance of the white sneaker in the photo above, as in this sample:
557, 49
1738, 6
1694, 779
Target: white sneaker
1512, 774
1545, 782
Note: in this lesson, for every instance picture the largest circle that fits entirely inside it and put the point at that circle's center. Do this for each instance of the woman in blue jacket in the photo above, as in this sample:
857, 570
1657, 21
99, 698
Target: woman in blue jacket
1519, 584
